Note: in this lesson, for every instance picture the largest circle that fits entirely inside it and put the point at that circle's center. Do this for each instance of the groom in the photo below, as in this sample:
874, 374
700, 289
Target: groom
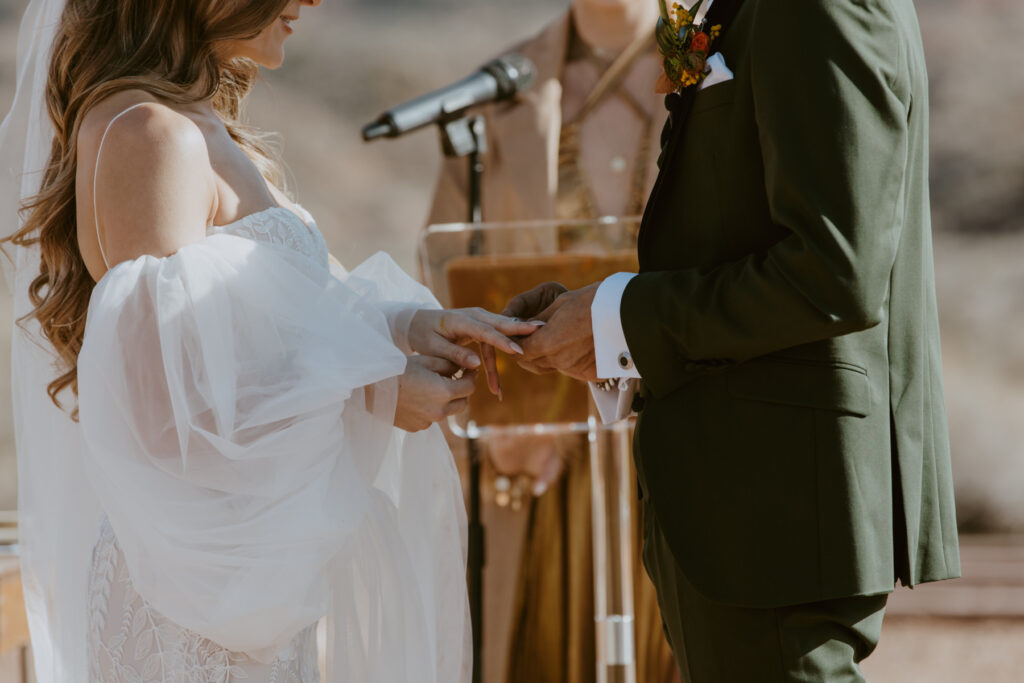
791, 443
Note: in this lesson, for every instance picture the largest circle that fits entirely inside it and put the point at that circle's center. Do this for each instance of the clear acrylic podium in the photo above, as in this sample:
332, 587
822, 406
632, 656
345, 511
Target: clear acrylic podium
486, 264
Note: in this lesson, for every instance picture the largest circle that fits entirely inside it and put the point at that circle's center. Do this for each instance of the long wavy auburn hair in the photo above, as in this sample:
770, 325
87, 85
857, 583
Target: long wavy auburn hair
167, 48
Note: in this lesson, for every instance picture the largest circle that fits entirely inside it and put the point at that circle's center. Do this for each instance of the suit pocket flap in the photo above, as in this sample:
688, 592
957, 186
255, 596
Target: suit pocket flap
714, 96
842, 387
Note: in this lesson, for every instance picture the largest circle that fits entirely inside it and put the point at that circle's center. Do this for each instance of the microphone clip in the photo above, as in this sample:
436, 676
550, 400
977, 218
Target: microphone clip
464, 136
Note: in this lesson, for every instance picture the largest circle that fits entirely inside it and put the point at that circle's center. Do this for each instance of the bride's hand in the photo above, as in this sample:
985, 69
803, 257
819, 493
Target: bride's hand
444, 334
427, 392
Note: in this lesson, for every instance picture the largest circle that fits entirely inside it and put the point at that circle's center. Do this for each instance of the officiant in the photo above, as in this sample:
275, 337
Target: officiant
581, 144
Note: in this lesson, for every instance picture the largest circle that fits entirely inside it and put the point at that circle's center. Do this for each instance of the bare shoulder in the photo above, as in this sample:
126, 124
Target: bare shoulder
145, 173
134, 123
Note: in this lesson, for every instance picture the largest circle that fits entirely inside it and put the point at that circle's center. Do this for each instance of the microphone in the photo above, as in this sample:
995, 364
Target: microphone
498, 80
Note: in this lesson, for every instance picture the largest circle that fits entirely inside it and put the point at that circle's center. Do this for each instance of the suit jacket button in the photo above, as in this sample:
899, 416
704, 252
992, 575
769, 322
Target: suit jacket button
625, 361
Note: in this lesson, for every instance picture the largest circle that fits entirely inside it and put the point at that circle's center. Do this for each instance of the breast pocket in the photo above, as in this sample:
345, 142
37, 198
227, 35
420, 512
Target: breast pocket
715, 96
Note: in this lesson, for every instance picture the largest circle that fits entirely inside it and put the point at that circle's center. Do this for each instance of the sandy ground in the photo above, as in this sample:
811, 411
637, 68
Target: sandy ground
916, 650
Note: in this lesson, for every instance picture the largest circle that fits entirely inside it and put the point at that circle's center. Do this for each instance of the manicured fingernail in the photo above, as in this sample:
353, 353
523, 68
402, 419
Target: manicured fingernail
474, 361
539, 488
517, 348
538, 323
501, 397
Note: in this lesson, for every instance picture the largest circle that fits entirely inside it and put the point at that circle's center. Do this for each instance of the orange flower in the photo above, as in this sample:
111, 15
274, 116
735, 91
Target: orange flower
700, 42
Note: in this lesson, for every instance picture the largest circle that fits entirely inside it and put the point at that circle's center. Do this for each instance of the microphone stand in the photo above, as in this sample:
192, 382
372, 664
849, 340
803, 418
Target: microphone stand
467, 137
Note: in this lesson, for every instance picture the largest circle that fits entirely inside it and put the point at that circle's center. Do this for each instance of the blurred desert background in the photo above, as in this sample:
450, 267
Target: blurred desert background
357, 57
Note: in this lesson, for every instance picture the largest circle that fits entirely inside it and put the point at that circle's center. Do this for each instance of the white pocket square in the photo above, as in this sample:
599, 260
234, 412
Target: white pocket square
719, 73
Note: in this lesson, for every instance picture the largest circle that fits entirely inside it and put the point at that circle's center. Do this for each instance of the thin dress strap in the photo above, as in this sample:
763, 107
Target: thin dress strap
95, 173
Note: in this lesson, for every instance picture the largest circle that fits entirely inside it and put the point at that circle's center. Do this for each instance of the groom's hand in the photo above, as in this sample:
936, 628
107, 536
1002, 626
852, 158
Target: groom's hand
529, 304
566, 342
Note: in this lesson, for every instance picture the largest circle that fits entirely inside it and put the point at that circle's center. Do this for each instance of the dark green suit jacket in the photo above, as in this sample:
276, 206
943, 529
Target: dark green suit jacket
793, 432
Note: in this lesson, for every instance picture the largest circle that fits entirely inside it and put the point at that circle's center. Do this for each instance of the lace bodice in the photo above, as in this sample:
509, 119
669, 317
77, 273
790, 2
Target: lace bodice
129, 640
283, 227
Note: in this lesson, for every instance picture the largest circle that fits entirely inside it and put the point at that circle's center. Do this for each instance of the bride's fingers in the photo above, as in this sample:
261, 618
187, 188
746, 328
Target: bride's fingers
491, 369
441, 366
461, 356
462, 387
456, 406
511, 327
464, 328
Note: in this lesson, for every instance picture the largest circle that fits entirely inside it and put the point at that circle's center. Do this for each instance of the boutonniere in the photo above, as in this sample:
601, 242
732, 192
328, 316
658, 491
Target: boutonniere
684, 45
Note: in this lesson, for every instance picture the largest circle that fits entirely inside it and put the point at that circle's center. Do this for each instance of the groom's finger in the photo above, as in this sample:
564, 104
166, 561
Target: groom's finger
542, 343
537, 368
529, 303
518, 307
545, 314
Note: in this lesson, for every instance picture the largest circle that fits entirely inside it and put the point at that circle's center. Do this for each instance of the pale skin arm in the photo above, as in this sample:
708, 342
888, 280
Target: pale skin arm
152, 158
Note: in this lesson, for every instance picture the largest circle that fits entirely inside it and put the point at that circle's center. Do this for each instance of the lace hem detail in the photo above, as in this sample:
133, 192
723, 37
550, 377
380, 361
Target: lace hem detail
131, 642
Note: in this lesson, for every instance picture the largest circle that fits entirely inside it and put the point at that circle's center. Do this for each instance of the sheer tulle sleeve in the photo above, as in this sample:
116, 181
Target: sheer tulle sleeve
254, 484
393, 292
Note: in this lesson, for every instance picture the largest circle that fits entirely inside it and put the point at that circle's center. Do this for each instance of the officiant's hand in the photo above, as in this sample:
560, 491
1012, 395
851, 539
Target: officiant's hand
444, 334
429, 391
566, 342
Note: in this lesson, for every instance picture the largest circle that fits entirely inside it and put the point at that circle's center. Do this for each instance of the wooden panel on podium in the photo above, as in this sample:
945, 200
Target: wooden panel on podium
487, 264
13, 622
489, 282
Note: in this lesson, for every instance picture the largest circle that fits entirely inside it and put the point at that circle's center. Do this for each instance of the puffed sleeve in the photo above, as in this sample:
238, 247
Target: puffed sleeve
242, 463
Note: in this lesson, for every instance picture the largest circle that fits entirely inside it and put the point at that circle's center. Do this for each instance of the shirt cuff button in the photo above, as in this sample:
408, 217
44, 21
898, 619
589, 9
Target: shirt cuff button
625, 361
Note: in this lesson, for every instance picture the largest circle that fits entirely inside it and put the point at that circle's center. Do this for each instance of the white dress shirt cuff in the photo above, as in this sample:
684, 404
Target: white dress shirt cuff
610, 350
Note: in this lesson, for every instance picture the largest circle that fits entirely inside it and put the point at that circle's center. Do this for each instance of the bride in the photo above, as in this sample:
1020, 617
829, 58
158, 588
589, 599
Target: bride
222, 434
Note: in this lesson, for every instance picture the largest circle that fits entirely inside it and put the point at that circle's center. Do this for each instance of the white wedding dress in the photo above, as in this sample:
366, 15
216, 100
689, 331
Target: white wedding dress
237, 464
130, 640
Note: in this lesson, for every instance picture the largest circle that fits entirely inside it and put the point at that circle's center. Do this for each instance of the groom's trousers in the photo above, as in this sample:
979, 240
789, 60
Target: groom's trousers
821, 642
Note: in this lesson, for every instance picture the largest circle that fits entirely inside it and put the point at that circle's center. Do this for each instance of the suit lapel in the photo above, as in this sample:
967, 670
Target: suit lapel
679, 106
